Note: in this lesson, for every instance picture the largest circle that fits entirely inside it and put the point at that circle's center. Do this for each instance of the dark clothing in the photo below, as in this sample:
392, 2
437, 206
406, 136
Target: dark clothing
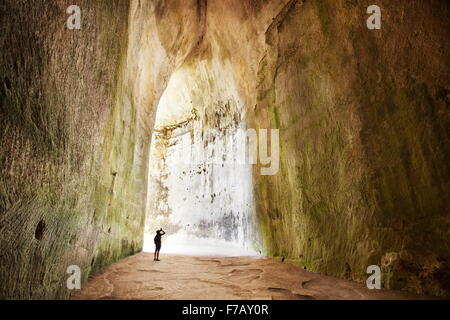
157, 239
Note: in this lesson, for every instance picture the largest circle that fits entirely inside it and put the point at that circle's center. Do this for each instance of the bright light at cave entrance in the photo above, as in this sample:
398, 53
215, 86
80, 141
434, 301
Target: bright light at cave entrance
206, 208
183, 243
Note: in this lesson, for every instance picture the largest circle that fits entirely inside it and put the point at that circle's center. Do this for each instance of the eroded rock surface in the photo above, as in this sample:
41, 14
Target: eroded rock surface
363, 119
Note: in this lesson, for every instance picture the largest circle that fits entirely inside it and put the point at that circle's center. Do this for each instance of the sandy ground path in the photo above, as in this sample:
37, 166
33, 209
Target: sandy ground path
209, 278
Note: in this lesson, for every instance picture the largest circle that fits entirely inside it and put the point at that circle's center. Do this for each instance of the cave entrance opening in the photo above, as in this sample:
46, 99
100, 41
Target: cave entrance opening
198, 193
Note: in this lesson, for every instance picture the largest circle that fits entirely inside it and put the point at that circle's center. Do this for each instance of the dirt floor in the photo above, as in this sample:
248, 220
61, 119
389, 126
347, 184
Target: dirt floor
226, 278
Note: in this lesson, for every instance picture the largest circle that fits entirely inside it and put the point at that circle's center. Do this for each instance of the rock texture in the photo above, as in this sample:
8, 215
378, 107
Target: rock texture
58, 91
363, 119
199, 189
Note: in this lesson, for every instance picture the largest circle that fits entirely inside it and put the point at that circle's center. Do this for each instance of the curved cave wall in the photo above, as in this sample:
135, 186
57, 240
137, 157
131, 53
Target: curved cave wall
363, 133
58, 90
362, 114
364, 141
200, 186
77, 111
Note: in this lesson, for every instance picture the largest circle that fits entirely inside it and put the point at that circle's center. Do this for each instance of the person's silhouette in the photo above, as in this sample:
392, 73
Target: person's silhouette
159, 234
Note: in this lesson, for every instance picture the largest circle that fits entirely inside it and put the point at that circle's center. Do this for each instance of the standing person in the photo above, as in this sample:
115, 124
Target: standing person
159, 234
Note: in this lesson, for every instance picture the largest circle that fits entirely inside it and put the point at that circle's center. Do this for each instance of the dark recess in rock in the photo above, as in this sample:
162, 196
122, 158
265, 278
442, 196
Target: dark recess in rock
40, 229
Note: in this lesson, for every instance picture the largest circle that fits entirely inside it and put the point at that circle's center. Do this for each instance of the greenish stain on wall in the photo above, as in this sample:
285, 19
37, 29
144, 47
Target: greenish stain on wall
324, 15
276, 117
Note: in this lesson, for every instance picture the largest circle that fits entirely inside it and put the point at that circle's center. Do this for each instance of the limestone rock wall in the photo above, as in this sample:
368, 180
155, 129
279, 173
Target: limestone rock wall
74, 144
57, 91
77, 110
199, 189
363, 119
